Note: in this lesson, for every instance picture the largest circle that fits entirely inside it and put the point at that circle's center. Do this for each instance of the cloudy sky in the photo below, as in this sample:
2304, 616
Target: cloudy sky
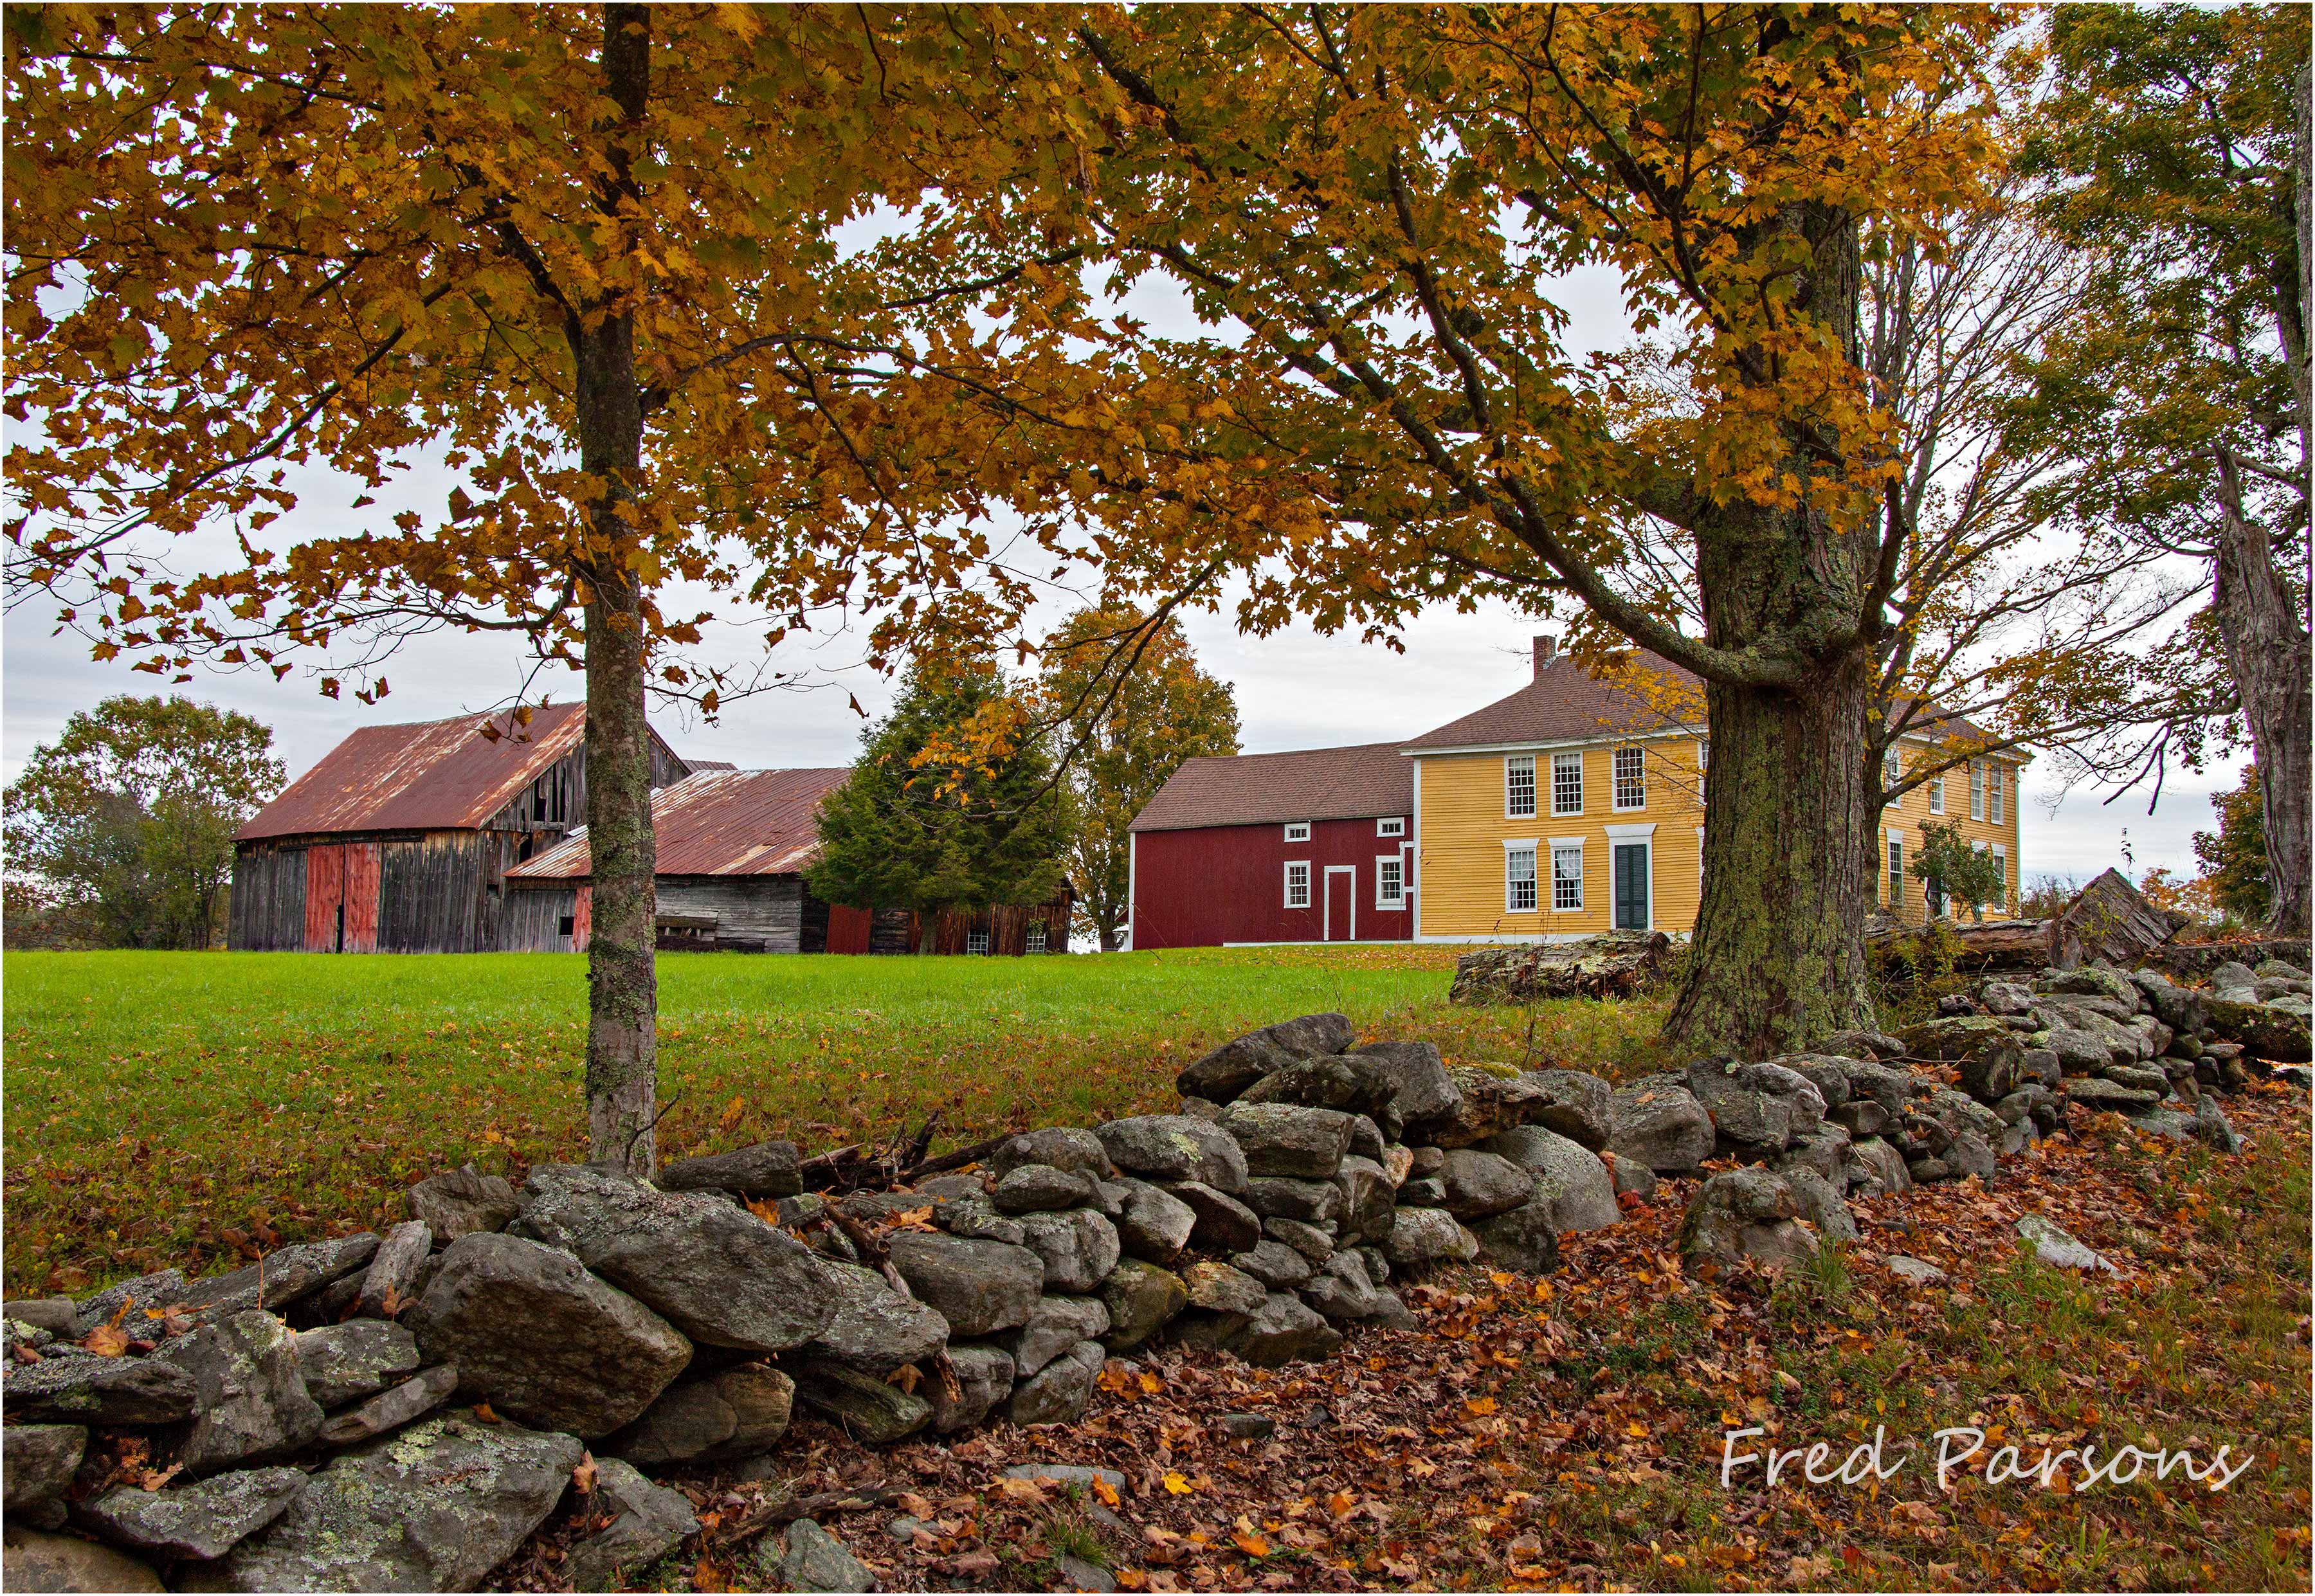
1295, 689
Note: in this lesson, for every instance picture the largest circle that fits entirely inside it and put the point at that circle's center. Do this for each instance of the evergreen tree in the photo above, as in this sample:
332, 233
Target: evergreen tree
951, 804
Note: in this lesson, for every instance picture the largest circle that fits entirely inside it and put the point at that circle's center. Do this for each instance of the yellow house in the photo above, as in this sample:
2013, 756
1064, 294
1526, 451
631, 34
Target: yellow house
1576, 806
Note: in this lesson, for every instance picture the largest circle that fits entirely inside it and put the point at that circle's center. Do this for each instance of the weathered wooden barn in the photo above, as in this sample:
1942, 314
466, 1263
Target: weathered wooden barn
400, 838
732, 846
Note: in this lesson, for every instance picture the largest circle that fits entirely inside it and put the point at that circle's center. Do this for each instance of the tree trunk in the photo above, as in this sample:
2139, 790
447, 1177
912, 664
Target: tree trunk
2267, 652
1108, 939
622, 971
1777, 956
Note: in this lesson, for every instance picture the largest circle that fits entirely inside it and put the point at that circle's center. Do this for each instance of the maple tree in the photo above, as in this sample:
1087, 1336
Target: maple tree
2234, 857
2177, 146
1371, 210
1128, 703
716, 297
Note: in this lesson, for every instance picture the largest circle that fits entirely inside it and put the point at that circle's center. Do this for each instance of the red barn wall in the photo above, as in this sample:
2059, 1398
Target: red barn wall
1227, 883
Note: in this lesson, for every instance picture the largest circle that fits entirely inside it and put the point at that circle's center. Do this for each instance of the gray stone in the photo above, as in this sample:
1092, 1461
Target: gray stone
647, 1522
1275, 1264
2053, 1246
867, 1409
342, 1363
1173, 1148
1247, 1426
1314, 1202
1487, 1104
2092, 981
2006, 997
1570, 1181
1826, 1151
1312, 1035
1876, 1168
2167, 1122
390, 1410
1368, 1141
433, 1508
875, 1329
975, 1219
1867, 1045
1348, 1082
1058, 1393
1068, 1475
278, 1279
1077, 1575
1281, 1139
250, 1406
1222, 1289
1201, 1108
979, 1287
125, 1301
1526, 1239
812, 1559
2213, 1127
1368, 1197
1421, 1236
1914, 1272
102, 1391
1238, 1063
1057, 1325
33, 1560
36, 1465
1631, 1176
1141, 1297
1059, 1147
2139, 1076
1080, 1247
1756, 1105
1578, 1106
2041, 1066
711, 1268
55, 1315
1284, 1331
206, 1518
461, 1203
1425, 1190
732, 1412
1221, 1223
1420, 1086
1314, 1242
1820, 1202
1030, 1188
1477, 1183
1343, 1292
391, 1282
1829, 1075
1743, 1214
2097, 1093
543, 1341
1658, 1122
768, 1169
1928, 1171
984, 1377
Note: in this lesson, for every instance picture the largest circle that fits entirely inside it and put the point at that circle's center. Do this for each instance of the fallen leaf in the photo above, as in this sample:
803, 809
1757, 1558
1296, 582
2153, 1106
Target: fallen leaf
1176, 1483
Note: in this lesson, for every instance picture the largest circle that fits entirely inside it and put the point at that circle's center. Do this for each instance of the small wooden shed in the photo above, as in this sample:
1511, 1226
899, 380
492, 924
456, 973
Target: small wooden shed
400, 838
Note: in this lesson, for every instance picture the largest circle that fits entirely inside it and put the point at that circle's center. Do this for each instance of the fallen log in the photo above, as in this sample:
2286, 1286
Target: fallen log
1979, 945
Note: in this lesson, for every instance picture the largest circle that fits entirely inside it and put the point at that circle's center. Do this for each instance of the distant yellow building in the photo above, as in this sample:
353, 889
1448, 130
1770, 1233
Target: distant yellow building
1576, 806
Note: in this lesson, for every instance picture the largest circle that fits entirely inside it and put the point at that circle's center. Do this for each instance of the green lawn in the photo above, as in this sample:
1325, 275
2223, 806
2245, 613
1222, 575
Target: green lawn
167, 1107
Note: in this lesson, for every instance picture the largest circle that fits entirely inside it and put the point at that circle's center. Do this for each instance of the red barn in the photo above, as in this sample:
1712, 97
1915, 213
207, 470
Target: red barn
1315, 845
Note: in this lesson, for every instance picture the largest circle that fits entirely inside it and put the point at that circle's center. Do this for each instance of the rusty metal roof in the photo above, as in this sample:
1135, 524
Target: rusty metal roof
1334, 783
434, 775
724, 822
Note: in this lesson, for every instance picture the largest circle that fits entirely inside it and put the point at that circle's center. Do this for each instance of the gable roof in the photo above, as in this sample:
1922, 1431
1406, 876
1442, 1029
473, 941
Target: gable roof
1335, 783
1566, 703
431, 775
722, 822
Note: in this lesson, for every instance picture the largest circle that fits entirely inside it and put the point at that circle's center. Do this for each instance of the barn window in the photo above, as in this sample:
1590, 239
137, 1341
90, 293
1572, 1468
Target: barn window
1390, 881
565, 925
1297, 830
1396, 825
976, 942
1035, 941
1298, 883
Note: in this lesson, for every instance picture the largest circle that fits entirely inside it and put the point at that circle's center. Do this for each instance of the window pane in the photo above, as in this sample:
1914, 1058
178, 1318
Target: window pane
1519, 879
1938, 795
1519, 784
1386, 881
1631, 779
1567, 784
1896, 872
1993, 777
1297, 885
1567, 878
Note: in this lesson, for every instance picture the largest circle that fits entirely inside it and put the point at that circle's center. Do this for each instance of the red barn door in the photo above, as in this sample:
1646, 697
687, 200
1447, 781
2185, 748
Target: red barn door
325, 897
360, 873
848, 929
582, 918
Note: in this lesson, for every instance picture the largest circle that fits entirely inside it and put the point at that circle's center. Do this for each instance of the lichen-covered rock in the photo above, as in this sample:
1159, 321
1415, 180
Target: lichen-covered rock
1141, 1297
1222, 1289
342, 1363
765, 1170
1222, 1223
1478, 1182
711, 1269
979, 1287
1282, 1139
732, 1412
1314, 1202
984, 1377
463, 1201
391, 1409
647, 1522
868, 1409
1058, 1324
1275, 1265
1058, 1393
1032, 1188
287, 1275
1572, 1104
1867, 1045
1756, 1106
543, 1341
2097, 1093
1486, 1104
1283, 1330
812, 1559
1152, 1223
1526, 1239
1745, 1213
36, 1465
1615, 966
2089, 980
1057, 1146
1314, 1242
1658, 1122
1421, 1236
1079, 1248
1421, 1088
1826, 1151
876, 1329
433, 1508
250, 1405
1175, 1148
109, 1392
1570, 1182
206, 1518
125, 1299
2266, 1030
34, 1560
2053, 1246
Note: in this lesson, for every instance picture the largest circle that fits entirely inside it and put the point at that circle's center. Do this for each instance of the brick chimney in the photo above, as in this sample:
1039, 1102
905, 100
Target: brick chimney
1547, 650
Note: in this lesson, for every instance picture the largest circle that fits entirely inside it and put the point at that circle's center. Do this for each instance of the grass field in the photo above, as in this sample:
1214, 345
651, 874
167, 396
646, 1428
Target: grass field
164, 1108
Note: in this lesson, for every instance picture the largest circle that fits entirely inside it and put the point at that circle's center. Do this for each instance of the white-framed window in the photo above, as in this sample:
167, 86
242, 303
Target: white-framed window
1298, 883
1567, 872
1297, 830
1977, 789
1567, 784
2001, 858
1034, 941
1937, 785
1631, 778
1704, 753
976, 942
1519, 785
1993, 779
1896, 872
1891, 770
1391, 825
1519, 877
1390, 881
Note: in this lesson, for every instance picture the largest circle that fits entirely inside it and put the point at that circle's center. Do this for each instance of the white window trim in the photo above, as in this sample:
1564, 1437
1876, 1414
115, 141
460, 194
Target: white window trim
1897, 895
1977, 789
1297, 830
1511, 845
1634, 837
1576, 757
1582, 872
1287, 891
1936, 787
1414, 858
1327, 903
1995, 780
1616, 803
1390, 903
2001, 858
1634, 831
1391, 825
1535, 795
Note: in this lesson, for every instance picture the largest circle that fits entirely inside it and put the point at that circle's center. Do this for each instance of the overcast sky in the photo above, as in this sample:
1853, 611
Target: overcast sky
1295, 690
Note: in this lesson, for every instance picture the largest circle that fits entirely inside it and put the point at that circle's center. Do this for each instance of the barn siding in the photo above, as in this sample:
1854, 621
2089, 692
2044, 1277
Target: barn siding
268, 908
1218, 884
530, 919
753, 913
